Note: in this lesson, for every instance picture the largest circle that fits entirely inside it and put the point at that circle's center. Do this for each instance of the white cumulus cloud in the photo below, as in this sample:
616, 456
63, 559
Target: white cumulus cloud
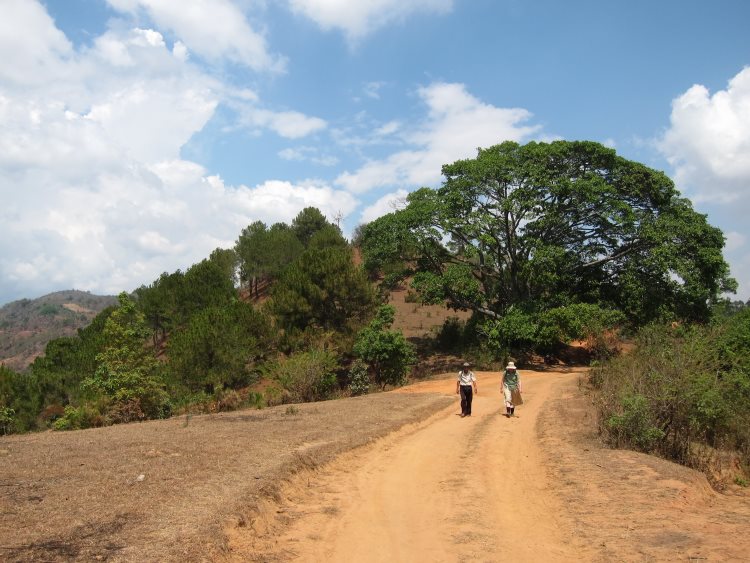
215, 29
456, 124
31, 47
288, 124
386, 204
358, 19
708, 141
96, 195
708, 146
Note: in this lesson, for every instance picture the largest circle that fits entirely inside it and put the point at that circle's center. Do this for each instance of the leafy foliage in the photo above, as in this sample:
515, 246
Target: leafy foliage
387, 352
307, 376
323, 288
265, 253
218, 346
308, 222
127, 372
359, 378
680, 387
520, 230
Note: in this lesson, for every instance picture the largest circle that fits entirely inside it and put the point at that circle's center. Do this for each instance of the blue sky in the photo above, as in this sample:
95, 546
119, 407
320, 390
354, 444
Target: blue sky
138, 135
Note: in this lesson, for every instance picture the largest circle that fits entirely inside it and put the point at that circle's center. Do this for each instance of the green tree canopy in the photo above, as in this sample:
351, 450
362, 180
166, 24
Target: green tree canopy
543, 225
323, 288
127, 371
308, 222
217, 347
264, 253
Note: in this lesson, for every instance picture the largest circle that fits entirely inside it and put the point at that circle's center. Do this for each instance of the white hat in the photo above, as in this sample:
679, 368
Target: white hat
510, 365
466, 364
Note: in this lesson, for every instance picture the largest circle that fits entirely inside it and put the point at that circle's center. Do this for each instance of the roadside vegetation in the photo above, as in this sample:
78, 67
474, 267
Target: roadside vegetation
537, 245
683, 392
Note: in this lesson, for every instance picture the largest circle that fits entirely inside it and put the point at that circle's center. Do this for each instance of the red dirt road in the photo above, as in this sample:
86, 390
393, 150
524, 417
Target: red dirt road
489, 488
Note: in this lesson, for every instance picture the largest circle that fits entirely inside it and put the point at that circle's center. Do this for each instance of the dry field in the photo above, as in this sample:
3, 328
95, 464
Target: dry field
166, 490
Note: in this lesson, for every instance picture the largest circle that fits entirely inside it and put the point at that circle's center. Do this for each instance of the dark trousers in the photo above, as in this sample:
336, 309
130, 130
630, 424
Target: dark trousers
467, 394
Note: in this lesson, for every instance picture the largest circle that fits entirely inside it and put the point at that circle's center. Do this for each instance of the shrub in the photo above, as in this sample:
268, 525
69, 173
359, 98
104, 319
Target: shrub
76, 418
126, 411
633, 425
387, 352
7, 420
228, 400
682, 392
359, 378
307, 376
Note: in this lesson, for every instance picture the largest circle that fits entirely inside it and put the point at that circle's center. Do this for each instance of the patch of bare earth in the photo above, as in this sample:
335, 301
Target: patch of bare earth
415, 320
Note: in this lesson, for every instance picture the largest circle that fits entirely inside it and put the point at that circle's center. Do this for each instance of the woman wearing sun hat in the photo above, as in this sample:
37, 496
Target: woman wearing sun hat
511, 389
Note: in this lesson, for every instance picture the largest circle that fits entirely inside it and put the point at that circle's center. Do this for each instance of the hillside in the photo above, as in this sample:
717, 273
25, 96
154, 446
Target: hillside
27, 325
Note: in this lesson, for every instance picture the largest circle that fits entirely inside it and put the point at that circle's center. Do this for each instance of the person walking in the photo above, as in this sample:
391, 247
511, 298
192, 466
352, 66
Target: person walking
466, 385
511, 389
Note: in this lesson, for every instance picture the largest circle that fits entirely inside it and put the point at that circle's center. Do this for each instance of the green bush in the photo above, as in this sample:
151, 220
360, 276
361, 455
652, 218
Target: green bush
7, 420
633, 425
387, 352
681, 389
359, 378
521, 331
307, 376
77, 418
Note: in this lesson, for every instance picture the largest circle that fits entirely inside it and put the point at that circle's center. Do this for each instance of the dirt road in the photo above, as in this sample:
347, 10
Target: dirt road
450, 489
489, 488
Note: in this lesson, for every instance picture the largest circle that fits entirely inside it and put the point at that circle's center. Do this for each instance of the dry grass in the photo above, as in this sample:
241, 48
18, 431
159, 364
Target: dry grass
165, 490
629, 506
416, 320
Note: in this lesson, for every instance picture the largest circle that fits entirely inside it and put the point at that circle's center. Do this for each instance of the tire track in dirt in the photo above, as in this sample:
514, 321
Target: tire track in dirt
539, 487
450, 489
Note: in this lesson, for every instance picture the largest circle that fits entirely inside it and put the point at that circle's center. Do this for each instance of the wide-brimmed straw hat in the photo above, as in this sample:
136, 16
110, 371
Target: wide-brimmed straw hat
510, 365
466, 364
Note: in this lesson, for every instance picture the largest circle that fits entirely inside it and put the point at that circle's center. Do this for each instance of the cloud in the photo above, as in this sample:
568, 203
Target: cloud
215, 29
372, 89
31, 48
388, 129
289, 124
95, 193
386, 204
456, 124
360, 18
708, 141
308, 154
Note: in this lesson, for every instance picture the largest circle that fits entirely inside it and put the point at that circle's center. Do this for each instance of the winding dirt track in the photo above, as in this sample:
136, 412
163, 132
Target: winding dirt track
451, 489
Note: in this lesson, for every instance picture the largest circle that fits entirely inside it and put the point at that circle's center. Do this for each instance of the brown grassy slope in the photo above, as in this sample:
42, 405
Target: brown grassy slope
416, 320
27, 325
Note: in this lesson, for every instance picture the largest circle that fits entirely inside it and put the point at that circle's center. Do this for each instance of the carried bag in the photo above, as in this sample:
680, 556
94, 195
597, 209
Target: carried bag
515, 397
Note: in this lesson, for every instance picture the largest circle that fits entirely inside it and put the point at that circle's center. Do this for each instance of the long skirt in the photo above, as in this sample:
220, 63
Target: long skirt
512, 396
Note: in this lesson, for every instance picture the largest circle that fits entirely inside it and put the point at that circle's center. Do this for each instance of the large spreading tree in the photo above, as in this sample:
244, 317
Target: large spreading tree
544, 225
